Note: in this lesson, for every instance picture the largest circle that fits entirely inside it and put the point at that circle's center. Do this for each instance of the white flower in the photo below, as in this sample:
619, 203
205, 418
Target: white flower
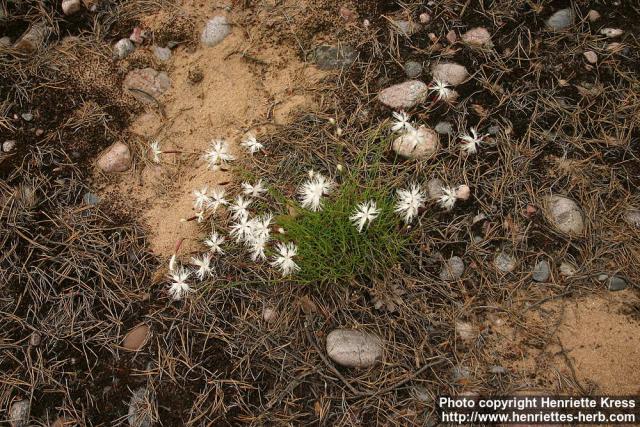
201, 199
217, 199
156, 151
239, 208
200, 216
213, 242
253, 190
401, 122
365, 213
284, 260
448, 198
218, 154
260, 231
204, 265
179, 287
409, 201
257, 250
471, 143
442, 90
311, 192
242, 229
251, 144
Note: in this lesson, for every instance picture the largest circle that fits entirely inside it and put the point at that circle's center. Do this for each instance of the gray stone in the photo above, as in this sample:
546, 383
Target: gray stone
404, 27
412, 69
147, 84
541, 271
561, 19
418, 143
591, 56
632, 217
91, 199
444, 128
450, 72
161, 53
505, 262
123, 48
8, 145
27, 117
565, 215
466, 331
434, 189
19, 413
453, 269
567, 269
495, 369
611, 32
493, 130
216, 30
334, 57
5, 41
141, 408
616, 283
69, 7
116, 158
353, 348
404, 95
478, 36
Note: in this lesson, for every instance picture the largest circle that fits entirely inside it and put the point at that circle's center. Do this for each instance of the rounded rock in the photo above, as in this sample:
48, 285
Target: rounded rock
19, 413
9, 145
632, 217
353, 348
269, 315
420, 143
591, 56
466, 331
404, 95
404, 27
161, 53
611, 32
478, 36
444, 128
616, 283
69, 7
136, 338
565, 215
463, 192
434, 188
505, 262
412, 69
215, 30
593, 15
147, 84
561, 19
116, 158
453, 269
450, 72
123, 48
567, 269
541, 271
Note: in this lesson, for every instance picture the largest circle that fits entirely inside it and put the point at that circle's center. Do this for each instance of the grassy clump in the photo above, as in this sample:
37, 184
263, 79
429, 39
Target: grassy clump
330, 248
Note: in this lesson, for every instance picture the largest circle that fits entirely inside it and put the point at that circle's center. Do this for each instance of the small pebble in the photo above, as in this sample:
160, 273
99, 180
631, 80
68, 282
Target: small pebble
611, 32
591, 56
444, 128
35, 339
541, 271
453, 269
216, 30
162, 53
477, 37
561, 19
567, 269
91, 199
463, 192
466, 331
19, 413
123, 48
632, 217
425, 18
69, 7
269, 315
493, 130
27, 116
8, 145
617, 284
39, 132
412, 69
505, 262
434, 189
452, 37
593, 15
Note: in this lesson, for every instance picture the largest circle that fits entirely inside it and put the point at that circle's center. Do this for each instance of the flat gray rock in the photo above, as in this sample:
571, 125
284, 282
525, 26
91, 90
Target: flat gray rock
453, 269
161, 53
505, 262
541, 271
616, 283
215, 30
561, 19
412, 69
123, 48
404, 95
444, 128
450, 72
353, 348
334, 57
565, 215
